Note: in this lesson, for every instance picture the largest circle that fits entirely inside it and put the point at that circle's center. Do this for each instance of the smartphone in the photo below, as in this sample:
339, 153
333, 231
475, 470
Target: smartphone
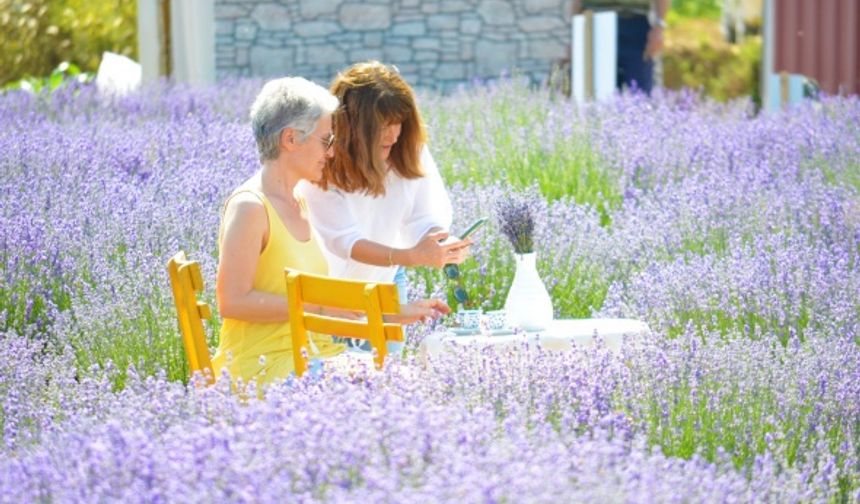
474, 227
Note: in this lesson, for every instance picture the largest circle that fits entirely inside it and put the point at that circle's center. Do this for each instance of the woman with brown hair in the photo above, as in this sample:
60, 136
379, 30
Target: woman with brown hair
381, 204
263, 230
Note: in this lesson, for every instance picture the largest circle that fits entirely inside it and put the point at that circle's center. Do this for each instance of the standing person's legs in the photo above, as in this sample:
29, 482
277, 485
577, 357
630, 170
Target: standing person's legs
632, 65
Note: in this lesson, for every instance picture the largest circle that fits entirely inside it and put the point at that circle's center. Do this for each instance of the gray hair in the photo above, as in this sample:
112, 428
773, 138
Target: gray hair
289, 102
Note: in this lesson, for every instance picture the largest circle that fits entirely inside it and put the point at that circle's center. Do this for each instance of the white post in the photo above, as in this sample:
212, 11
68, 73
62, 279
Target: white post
149, 39
192, 35
605, 55
767, 54
593, 56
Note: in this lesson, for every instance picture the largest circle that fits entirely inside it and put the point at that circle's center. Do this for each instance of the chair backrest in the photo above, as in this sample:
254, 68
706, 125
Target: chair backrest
374, 299
187, 281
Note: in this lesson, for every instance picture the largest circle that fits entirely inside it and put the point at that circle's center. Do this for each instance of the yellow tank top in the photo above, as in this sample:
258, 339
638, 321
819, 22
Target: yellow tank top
264, 351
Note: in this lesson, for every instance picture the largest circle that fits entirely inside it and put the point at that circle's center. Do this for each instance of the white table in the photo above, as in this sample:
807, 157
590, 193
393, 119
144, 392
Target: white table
561, 335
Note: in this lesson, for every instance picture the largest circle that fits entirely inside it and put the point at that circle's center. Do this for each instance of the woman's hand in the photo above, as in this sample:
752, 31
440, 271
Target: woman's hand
655, 42
422, 310
459, 254
437, 250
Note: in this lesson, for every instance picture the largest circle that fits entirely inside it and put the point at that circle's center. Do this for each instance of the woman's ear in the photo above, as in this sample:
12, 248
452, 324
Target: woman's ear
288, 140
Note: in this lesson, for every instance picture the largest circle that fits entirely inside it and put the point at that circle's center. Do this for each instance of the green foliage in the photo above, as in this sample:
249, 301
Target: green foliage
746, 320
697, 8
687, 422
532, 148
696, 56
64, 73
38, 35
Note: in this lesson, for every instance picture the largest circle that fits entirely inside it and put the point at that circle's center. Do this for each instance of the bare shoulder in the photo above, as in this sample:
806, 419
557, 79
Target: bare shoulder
244, 207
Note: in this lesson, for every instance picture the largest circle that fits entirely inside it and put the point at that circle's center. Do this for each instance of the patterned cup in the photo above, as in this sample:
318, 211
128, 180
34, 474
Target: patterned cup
497, 319
468, 319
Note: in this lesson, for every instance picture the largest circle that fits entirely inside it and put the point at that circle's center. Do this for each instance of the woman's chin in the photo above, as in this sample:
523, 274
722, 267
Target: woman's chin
315, 176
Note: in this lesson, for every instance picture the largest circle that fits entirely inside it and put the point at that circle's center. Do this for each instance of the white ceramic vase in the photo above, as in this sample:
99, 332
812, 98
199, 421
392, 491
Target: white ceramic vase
528, 304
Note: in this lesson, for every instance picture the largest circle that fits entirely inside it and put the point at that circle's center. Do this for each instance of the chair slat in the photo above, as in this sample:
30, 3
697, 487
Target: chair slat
374, 324
190, 312
393, 332
336, 326
348, 328
346, 294
298, 333
372, 299
196, 276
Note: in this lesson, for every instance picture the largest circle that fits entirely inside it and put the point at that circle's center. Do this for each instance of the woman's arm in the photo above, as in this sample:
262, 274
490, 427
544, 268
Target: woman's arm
245, 230
422, 310
332, 218
429, 251
431, 212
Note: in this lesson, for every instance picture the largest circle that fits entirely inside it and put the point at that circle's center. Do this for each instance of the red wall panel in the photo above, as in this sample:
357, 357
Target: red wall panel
819, 39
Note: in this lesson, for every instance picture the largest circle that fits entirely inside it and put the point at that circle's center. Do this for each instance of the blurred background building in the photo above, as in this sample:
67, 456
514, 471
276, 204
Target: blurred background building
819, 40
725, 48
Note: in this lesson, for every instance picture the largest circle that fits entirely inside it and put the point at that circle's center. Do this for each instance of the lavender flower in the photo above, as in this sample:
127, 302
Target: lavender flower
735, 236
515, 216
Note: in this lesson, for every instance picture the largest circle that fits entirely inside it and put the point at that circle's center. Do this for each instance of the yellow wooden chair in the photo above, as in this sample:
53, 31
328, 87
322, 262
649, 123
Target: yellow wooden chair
186, 281
374, 299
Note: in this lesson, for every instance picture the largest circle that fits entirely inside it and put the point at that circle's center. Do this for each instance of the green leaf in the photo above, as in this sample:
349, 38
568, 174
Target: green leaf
55, 81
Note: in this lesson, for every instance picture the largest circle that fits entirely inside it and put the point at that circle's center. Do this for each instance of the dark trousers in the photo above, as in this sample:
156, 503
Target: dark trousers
634, 70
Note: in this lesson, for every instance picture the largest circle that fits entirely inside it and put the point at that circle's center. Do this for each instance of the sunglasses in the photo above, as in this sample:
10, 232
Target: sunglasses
452, 273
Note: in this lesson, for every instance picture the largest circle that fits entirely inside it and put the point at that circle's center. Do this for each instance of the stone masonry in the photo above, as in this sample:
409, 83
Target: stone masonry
436, 44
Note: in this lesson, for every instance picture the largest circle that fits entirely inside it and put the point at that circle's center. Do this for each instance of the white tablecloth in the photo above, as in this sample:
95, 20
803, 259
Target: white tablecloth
561, 335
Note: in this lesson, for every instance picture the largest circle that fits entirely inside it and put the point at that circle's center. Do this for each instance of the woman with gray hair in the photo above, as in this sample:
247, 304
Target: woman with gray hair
263, 231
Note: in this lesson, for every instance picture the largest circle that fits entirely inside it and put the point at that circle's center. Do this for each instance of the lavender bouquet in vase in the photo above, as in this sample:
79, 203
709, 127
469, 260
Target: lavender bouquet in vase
528, 304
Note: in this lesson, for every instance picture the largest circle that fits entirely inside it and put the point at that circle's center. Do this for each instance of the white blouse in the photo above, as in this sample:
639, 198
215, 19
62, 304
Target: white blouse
407, 211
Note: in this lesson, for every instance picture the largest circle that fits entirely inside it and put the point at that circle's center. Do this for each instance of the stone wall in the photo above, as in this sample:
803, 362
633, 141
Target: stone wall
435, 44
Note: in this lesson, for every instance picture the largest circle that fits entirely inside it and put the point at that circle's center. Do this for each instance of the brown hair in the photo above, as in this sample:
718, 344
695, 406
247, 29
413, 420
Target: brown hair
372, 95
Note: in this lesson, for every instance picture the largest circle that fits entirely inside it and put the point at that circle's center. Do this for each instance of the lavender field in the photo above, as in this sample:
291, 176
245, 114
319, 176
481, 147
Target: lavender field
735, 236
